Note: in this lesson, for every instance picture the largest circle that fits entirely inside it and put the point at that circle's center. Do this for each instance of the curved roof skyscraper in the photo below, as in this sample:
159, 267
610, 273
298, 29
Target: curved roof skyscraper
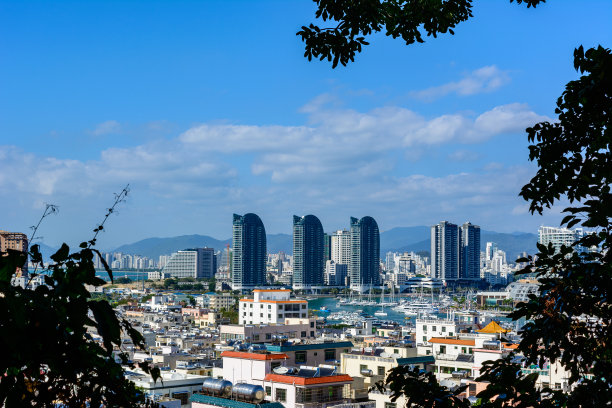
249, 252
308, 252
364, 267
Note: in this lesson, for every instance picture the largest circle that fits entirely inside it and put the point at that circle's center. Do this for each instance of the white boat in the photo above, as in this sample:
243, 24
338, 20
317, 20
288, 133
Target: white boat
381, 312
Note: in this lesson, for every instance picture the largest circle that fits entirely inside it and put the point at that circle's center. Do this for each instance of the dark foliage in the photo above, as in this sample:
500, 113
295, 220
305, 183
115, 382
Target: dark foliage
48, 354
357, 19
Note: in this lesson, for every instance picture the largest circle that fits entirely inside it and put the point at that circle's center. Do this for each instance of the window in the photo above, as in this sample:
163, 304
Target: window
269, 316
390, 405
381, 370
269, 306
268, 336
300, 357
425, 328
463, 350
396, 351
268, 390
280, 307
281, 395
275, 364
330, 354
363, 367
303, 306
312, 324
442, 349
303, 314
311, 334
303, 334
256, 337
280, 315
443, 329
433, 328
261, 315
424, 338
182, 396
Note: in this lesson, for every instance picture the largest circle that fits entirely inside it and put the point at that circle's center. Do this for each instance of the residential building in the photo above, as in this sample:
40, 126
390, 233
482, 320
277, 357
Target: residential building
559, 236
341, 247
308, 252
312, 354
445, 251
469, 255
249, 253
191, 263
303, 328
335, 274
271, 306
16, 241
364, 266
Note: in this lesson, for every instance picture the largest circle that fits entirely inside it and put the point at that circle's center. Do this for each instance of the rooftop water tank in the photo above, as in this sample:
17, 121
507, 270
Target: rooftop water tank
249, 392
217, 386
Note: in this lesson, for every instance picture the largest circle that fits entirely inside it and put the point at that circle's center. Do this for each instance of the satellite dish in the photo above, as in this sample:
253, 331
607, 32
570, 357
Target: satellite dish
281, 370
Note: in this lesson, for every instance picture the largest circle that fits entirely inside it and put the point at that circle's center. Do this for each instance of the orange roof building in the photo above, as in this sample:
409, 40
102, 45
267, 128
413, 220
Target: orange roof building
493, 327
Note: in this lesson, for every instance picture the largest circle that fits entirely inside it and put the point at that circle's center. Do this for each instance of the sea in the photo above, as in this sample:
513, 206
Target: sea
331, 304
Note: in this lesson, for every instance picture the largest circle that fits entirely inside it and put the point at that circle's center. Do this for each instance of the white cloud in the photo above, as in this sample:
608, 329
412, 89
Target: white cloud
482, 80
106, 128
344, 162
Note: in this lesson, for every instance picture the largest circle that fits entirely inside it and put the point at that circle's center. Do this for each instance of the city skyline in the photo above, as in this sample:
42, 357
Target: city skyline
439, 126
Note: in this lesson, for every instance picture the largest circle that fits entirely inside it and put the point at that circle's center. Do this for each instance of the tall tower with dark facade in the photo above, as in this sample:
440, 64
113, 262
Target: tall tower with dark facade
445, 251
469, 256
308, 252
248, 252
364, 266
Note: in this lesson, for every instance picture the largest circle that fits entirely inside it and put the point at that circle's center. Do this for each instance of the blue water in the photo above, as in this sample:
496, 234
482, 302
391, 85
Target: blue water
330, 304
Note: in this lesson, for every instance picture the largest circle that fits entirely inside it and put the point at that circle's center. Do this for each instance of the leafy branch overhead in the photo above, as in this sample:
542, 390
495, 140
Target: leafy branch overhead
354, 20
50, 354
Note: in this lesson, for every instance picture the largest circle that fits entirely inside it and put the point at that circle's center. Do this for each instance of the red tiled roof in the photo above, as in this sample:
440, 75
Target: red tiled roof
459, 342
290, 379
254, 356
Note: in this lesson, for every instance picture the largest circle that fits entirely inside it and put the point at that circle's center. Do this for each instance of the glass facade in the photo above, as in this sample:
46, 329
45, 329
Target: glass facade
308, 252
364, 267
249, 252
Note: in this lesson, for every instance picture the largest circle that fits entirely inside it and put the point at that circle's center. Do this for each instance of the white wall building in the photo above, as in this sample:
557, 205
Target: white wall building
271, 306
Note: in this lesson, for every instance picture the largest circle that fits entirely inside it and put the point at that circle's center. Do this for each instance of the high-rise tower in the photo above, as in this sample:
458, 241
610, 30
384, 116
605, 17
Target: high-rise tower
248, 252
308, 252
365, 253
469, 255
445, 251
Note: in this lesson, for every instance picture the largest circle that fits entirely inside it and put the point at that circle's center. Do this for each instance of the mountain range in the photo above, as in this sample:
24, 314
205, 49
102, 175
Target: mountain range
400, 239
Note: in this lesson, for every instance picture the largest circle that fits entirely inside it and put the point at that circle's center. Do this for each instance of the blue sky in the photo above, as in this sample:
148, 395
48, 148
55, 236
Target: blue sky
208, 108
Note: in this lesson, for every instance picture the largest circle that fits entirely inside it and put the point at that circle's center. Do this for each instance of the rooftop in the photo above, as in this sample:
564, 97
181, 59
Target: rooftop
254, 356
229, 403
308, 346
460, 342
310, 376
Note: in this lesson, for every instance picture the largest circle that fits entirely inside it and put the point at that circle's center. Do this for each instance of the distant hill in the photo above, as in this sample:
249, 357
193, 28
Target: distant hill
401, 239
154, 247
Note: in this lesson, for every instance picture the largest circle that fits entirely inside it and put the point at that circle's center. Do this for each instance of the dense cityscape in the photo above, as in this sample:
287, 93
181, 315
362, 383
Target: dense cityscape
306, 204
253, 338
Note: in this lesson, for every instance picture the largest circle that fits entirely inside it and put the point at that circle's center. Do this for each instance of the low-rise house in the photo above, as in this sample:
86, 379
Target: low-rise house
311, 354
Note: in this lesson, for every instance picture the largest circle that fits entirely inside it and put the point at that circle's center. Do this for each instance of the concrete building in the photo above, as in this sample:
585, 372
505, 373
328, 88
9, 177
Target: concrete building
335, 274
249, 252
312, 354
271, 306
341, 247
16, 241
559, 236
191, 263
301, 329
